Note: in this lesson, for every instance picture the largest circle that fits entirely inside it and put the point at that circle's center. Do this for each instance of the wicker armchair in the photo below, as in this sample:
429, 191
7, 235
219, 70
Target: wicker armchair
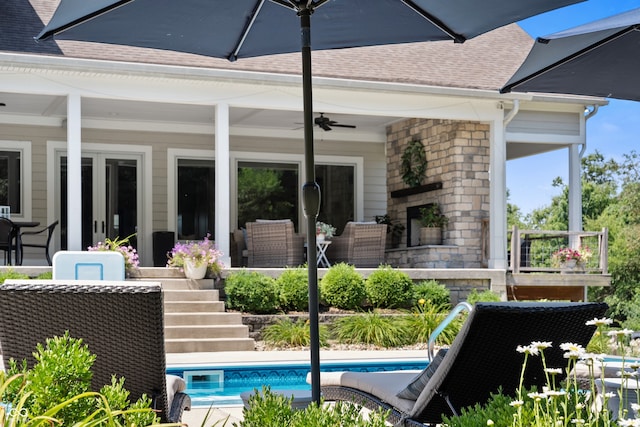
122, 323
274, 244
361, 244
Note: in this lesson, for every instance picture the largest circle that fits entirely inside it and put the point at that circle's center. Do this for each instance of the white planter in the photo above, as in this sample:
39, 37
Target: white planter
320, 237
194, 272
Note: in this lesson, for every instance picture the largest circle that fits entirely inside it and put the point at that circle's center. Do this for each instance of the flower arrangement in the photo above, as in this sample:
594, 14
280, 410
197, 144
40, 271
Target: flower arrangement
327, 229
199, 252
578, 400
565, 255
130, 254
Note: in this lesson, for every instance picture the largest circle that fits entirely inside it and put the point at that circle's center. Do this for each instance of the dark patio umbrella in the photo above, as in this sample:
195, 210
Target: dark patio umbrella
235, 29
601, 58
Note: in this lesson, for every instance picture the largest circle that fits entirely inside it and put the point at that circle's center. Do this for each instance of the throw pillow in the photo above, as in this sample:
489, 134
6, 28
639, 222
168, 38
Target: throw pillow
415, 387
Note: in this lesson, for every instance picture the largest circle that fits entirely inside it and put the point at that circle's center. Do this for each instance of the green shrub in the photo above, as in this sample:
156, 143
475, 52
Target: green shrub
484, 296
293, 289
251, 292
433, 291
425, 318
343, 287
287, 333
371, 328
11, 274
498, 409
268, 409
58, 386
389, 288
47, 275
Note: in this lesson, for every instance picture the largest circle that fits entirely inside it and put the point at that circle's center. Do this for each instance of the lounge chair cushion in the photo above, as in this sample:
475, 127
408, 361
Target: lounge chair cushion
413, 389
386, 385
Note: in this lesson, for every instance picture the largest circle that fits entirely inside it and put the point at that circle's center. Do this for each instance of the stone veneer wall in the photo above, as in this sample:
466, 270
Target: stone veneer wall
458, 156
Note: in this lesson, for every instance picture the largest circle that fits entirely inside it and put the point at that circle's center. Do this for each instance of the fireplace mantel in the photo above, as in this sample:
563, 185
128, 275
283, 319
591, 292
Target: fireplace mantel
417, 190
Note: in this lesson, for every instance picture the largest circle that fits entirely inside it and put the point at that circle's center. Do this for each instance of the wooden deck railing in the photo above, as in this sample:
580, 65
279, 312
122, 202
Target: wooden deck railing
532, 250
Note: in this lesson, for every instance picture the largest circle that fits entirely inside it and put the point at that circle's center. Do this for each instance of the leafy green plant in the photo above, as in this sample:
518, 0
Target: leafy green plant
57, 389
251, 292
269, 409
432, 292
431, 216
11, 274
483, 296
371, 328
389, 288
288, 333
497, 411
343, 287
293, 289
47, 275
425, 318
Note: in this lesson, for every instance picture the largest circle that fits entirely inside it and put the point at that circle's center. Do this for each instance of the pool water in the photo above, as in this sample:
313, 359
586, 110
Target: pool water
222, 384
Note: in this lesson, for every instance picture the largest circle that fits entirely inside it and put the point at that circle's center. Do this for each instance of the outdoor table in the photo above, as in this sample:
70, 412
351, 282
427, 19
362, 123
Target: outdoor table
19, 225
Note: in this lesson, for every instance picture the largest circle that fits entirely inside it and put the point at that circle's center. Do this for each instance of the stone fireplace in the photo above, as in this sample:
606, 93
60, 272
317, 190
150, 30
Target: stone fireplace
456, 178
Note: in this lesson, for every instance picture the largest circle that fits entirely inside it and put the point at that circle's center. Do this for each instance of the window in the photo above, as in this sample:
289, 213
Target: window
11, 180
195, 198
337, 187
267, 191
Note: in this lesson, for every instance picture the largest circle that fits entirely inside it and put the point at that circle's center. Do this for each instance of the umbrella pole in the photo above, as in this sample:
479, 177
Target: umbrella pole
310, 204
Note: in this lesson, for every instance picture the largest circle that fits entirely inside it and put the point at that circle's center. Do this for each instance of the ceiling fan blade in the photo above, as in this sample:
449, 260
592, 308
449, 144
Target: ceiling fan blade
343, 126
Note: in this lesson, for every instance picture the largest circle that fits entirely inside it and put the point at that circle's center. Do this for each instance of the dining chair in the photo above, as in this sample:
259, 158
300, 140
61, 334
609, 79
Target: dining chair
49, 230
7, 239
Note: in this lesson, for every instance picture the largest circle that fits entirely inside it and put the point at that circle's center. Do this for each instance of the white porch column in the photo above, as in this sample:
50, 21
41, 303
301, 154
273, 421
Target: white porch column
575, 183
498, 194
223, 198
74, 173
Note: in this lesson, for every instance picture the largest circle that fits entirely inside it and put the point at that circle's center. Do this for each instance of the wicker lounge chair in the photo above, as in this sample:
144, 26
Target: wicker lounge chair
361, 244
274, 243
121, 323
482, 358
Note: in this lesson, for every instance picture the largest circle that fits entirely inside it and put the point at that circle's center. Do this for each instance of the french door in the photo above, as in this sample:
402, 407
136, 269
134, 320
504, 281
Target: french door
110, 197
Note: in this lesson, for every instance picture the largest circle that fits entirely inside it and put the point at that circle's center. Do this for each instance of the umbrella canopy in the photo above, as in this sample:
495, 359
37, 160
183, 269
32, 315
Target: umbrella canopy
235, 29
600, 58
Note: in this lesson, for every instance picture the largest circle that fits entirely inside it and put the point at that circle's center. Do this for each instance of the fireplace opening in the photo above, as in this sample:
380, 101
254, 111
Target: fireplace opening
413, 224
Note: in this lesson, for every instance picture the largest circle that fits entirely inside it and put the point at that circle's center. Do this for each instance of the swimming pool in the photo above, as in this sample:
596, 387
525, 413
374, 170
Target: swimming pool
220, 385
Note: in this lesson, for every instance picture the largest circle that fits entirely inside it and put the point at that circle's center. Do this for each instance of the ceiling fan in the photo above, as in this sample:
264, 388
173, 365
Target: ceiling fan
326, 123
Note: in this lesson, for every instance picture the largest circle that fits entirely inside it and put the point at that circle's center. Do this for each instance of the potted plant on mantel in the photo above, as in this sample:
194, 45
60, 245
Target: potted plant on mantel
432, 221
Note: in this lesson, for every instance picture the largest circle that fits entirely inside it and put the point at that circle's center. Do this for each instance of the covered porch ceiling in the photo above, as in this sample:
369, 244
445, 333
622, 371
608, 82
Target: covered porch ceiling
50, 110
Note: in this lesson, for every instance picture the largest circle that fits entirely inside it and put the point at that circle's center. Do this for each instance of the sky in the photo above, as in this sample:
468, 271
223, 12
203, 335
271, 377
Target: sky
613, 131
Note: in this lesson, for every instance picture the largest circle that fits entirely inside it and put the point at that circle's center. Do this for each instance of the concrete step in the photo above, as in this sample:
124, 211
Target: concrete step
204, 318
191, 345
193, 306
206, 331
191, 295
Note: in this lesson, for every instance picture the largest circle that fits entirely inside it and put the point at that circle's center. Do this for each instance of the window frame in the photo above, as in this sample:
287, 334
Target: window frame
26, 177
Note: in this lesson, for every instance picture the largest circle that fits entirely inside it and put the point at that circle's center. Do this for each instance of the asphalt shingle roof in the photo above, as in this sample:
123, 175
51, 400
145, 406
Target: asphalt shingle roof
485, 62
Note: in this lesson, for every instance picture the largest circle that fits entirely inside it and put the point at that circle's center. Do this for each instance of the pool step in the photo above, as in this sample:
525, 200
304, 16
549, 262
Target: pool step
196, 321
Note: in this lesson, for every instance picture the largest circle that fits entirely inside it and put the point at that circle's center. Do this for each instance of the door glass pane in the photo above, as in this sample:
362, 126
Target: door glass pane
196, 199
121, 196
267, 191
337, 204
87, 202
10, 183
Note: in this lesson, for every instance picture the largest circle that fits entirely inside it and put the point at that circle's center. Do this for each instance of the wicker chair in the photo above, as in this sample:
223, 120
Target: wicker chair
361, 244
481, 359
274, 244
121, 323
